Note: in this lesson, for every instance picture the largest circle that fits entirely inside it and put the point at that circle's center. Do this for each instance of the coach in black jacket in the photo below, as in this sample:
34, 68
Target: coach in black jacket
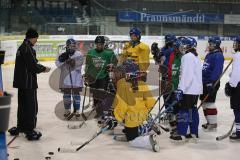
25, 79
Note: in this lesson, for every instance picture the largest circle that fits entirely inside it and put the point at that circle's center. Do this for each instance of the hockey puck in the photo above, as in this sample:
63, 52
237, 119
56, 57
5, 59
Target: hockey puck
51, 153
16, 159
47, 158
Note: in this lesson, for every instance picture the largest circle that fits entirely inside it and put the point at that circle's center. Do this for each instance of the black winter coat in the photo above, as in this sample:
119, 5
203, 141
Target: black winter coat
26, 67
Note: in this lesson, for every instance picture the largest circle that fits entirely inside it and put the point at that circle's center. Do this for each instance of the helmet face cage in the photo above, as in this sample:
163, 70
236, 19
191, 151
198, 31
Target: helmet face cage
212, 45
177, 43
107, 42
71, 44
187, 44
183, 48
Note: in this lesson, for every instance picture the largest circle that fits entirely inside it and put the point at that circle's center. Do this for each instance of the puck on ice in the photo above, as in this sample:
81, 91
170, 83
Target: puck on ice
51, 153
47, 158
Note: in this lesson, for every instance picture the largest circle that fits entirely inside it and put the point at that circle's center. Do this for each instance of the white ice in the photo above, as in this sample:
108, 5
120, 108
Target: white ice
56, 134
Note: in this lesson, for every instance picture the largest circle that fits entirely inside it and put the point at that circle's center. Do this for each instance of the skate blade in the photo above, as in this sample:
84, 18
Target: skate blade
210, 130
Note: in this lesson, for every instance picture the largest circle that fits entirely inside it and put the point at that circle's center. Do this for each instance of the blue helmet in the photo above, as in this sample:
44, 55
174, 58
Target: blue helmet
177, 43
169, 38
135, 31
193, 41
189, 42
186, 44
215, 40
70, 41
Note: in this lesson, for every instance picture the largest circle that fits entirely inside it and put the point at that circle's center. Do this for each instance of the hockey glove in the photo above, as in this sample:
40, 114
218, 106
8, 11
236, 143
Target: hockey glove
178, 95
63, 57
228, 89
111, 123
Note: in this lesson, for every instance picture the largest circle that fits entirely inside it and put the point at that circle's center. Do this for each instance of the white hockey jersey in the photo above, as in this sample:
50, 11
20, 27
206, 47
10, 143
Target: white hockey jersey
190, 81
235, 74
76, 74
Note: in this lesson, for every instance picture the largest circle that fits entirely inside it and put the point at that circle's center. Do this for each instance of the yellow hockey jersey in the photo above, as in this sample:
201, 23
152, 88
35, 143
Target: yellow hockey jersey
139, 53
130, 107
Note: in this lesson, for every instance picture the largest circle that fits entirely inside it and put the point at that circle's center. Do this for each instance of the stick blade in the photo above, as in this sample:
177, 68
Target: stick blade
66, 150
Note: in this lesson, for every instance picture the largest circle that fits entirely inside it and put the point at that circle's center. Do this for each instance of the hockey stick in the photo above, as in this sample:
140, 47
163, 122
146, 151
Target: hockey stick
83, 106
168, 97
166, 110
70, 75
68, 150
11, 141
153, 121
72, 93
219, 138
168, 92
215, 84
161, 66
164, 128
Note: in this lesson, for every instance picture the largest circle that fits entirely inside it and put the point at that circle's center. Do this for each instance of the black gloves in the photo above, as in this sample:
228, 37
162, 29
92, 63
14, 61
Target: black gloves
63, 57
108, 121
228, 89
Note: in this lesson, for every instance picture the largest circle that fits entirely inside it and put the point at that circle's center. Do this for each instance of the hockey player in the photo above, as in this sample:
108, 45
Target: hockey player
70, 84
137, 51
162, 57
173, 78
25, 79
211, 71
168, 48
232, 88
132, 104
189, 87
96, 75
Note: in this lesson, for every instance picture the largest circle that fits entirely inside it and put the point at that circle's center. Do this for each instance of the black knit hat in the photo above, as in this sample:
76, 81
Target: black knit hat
31, 33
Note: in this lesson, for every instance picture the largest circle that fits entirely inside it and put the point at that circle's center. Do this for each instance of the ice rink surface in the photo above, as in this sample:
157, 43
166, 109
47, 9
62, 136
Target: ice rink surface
56, 134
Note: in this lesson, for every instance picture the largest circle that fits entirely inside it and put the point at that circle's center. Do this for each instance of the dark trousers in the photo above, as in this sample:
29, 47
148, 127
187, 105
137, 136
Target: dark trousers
131, 133
98, 89
27, 109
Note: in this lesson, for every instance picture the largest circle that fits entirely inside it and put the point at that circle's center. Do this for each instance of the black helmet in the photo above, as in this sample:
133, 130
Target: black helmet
100, 39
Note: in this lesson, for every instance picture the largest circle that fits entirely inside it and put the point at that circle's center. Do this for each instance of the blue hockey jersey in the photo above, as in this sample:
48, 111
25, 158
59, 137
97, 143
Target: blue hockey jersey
212, 66
167, 52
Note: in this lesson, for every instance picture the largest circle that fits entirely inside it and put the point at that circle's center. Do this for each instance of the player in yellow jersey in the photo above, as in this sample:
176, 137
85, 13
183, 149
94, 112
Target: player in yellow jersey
137, 51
